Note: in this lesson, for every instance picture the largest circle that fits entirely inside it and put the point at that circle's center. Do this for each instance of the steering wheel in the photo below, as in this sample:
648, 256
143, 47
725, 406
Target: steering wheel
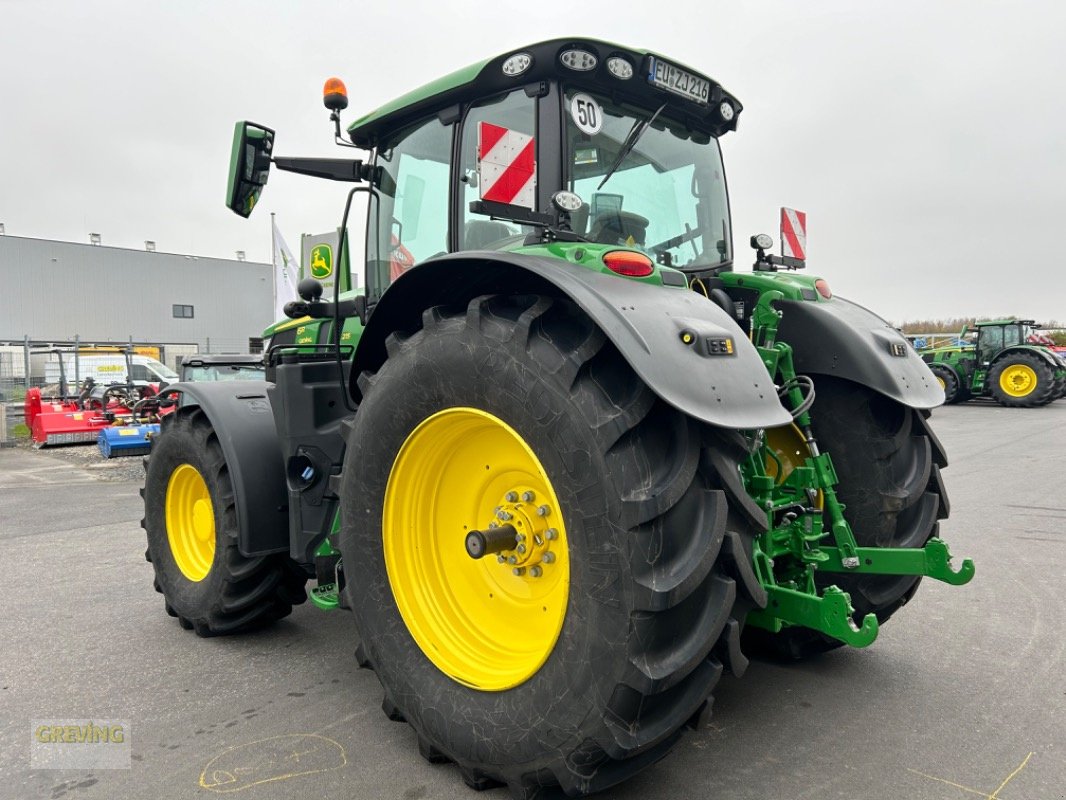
677, 241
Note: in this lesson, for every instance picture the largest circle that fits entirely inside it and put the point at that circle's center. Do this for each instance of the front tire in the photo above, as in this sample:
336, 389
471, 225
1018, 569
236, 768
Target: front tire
948, 381
191, 523
652, 563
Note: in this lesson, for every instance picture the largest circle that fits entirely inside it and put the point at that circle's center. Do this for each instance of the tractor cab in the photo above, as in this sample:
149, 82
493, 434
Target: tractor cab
629, 137
636, 180
574, 141
994, 336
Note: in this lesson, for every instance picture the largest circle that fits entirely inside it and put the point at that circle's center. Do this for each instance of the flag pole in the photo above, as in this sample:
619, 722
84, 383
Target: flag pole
273, 264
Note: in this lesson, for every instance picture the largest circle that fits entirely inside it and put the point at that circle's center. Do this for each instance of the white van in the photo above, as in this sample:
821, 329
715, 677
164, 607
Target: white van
107, 368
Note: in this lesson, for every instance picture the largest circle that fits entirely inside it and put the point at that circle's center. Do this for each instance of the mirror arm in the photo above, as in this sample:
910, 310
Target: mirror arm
335, 169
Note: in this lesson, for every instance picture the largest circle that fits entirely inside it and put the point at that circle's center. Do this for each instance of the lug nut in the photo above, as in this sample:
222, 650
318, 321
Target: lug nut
499, 558
512, 559
494, 524
543, 511
535, 572
511, 497
528, 497
548, 557
518, 571
552, 534
519, 537
504, 515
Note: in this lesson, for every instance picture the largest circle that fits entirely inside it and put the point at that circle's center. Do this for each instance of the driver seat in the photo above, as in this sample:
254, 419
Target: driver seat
616, 227
480, 233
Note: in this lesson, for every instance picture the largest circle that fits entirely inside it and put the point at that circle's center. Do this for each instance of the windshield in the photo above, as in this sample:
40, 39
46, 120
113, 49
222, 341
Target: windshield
161, 369
667, 196
225, 372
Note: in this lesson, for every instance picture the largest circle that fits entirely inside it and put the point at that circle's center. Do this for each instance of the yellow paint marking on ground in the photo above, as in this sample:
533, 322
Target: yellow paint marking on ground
277, 758
986, 795
950, 783
1021, 766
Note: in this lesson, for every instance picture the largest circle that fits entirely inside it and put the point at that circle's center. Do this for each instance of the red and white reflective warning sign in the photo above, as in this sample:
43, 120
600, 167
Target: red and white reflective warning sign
793, 234
506, 165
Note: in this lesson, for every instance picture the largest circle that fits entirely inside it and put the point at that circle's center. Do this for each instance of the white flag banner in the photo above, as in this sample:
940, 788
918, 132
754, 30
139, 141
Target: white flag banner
286, 274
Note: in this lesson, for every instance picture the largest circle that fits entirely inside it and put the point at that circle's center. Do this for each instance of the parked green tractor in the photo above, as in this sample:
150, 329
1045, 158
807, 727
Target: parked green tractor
999, 362
559, 461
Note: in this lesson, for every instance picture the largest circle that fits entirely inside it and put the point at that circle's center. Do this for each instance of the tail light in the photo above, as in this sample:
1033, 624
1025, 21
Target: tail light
628, 263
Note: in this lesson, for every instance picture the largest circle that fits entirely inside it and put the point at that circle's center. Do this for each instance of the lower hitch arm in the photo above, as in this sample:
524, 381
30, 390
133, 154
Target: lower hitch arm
931, 561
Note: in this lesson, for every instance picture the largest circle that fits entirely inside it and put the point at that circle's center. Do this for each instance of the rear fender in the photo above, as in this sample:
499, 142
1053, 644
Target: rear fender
644, 321
241, 416
843, 339
1052, 361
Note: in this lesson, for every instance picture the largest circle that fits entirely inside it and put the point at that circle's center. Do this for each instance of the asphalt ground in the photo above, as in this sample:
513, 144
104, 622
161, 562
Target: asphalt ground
962, 696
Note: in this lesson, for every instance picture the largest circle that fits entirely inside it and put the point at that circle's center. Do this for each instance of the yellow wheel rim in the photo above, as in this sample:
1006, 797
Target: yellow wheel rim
790, 447
941, 381
190, 520
1018, 380
487, 623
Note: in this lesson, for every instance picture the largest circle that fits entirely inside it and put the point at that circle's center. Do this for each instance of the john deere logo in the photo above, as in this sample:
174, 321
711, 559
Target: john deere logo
321, 261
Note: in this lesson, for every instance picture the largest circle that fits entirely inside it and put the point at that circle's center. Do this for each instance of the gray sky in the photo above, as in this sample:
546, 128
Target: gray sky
925, 140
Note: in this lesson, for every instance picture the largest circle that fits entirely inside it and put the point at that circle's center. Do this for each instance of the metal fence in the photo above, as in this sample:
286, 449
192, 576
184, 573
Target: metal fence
29, 362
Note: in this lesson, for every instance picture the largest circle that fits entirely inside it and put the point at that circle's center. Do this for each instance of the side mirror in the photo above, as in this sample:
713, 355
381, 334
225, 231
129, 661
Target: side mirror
249, 166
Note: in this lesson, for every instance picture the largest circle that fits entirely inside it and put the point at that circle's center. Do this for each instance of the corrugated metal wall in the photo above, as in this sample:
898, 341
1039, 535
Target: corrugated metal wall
53, 290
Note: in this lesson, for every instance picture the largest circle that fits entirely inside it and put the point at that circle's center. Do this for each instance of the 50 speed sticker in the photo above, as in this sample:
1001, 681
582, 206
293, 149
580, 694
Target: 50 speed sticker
586, 114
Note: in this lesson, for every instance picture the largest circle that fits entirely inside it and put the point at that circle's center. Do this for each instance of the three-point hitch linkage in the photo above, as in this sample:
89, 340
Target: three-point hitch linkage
796, 485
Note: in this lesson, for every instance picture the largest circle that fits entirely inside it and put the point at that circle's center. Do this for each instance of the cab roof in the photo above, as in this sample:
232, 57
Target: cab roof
1008, 321
487, 78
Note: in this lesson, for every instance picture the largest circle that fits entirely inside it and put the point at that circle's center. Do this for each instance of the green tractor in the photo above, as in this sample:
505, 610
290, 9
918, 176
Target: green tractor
1000, 361
561, 464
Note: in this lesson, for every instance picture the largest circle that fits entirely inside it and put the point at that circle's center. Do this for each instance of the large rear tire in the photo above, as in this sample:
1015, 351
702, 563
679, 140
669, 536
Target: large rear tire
191, 524
888, 462
1022, 380
517, 410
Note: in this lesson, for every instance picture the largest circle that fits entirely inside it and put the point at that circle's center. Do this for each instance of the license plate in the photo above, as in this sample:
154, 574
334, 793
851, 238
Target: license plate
676, 80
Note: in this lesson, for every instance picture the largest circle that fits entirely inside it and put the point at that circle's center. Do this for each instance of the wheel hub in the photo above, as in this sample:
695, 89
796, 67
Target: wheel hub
530, 553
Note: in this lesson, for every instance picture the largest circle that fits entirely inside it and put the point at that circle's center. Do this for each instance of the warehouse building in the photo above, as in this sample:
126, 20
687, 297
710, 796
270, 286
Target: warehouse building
54, 292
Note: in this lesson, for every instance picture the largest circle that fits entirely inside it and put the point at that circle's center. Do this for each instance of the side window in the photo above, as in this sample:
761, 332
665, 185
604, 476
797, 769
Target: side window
991, 340
410, 223
140, 373
514, 112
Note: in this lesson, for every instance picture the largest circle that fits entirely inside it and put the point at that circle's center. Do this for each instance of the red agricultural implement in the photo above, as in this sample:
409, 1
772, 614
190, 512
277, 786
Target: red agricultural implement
79, 418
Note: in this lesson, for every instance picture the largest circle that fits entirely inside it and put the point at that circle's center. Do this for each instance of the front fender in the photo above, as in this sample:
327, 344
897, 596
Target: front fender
644, 321
841, 338
241, 416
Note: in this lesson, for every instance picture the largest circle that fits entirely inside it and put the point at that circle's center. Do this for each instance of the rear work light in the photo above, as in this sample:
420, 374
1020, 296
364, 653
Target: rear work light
823, 288
578, 60
517, 64
628, 263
